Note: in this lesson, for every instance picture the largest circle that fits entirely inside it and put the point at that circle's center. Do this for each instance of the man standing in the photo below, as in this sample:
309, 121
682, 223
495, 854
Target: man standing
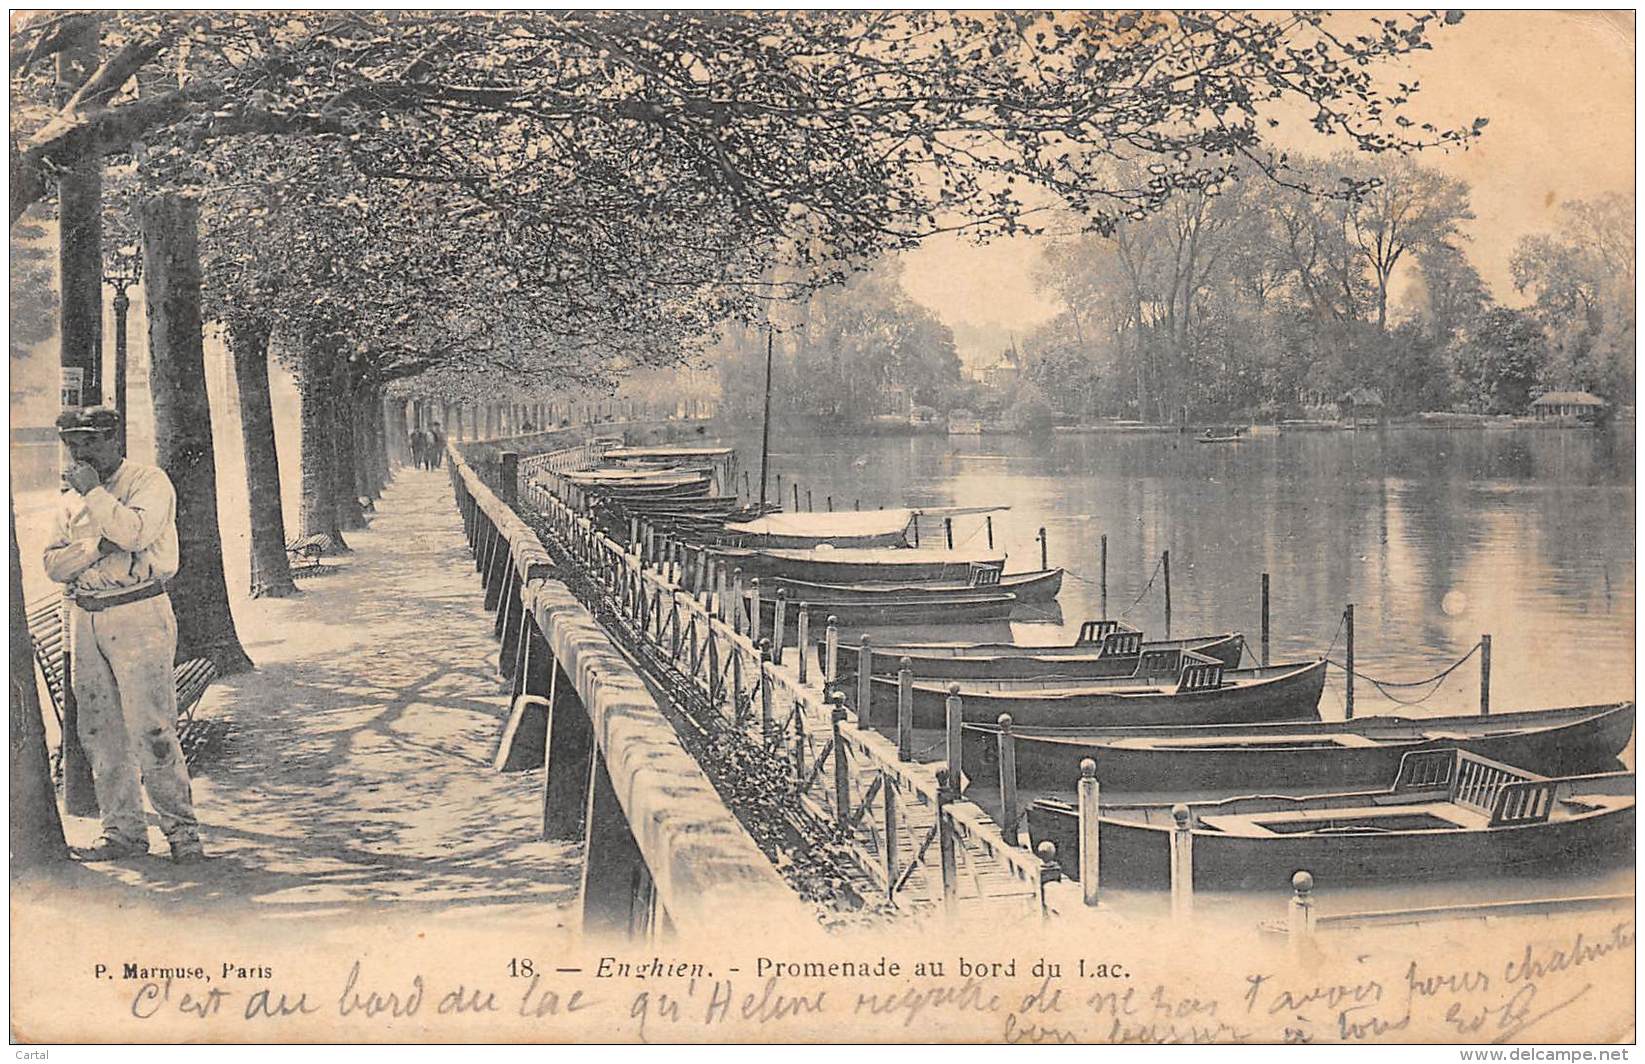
114, 547
419, 448
436, 446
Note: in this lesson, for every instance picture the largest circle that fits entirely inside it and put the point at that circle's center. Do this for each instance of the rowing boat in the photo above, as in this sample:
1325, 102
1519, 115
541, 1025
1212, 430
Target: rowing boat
846, 565
1309, 757
1203, 692
865, 607
1449, 813
853, 528
1104, 649
1038, 586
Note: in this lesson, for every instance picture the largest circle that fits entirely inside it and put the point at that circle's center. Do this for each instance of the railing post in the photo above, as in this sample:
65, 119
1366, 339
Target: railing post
1484, 675
509, 475
905, 710
1008, 779
1050, 870
737, 601
803, 624
842, 772
1102, 571
1089, 814
947, 791
765, 692
1348, 631
799, 750
754, 609
1300, 917
1165, 560
1265, 618
1182, 862
865, 682
779, 626
831, 659
954, 715
888, 785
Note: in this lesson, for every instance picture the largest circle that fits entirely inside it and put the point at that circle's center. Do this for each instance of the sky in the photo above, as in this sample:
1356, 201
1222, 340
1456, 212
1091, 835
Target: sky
1557, 87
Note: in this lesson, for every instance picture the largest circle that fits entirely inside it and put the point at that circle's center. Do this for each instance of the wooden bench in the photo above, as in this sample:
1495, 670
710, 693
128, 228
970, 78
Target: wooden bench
49, 639
304, 554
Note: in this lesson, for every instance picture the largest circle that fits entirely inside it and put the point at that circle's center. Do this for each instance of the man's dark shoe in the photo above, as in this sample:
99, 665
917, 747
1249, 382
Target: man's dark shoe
187, 851
107, 849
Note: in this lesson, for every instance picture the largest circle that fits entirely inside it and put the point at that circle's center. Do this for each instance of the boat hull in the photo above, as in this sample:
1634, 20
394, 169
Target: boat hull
867, 610
1557, 742
1010, 661
1138, 855
1289, 694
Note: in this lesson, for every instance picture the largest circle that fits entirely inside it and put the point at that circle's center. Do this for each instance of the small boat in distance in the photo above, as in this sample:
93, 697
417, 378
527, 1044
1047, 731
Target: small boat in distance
1448, 813
1203, 692
1311, 758
1212, 437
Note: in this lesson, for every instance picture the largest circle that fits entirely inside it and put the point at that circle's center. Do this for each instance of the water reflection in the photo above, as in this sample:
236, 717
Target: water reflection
1435, 536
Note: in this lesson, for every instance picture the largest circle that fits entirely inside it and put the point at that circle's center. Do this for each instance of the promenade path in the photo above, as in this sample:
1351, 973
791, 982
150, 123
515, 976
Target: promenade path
350, 773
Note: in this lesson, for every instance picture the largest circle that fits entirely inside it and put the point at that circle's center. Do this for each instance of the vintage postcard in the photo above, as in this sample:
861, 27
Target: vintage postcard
1028, 527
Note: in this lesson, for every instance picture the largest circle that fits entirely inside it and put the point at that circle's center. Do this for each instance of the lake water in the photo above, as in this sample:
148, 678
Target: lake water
1435, 536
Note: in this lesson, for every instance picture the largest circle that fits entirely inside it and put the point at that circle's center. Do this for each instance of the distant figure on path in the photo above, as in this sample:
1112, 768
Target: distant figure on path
436, 446
419, 448
114, 547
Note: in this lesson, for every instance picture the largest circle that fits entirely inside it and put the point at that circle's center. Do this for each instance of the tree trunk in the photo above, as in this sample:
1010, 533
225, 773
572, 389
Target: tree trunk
319, 517
270, 569
36, 828
80, 233
345, 480
182, 431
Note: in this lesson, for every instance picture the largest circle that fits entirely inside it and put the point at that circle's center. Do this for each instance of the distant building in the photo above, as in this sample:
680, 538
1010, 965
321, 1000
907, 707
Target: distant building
1361, 404
1002, 374
1567, 405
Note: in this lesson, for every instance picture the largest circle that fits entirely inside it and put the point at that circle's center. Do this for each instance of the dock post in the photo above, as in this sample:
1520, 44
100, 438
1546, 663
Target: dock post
989, 522
1008, 780
722, 589
1182, 863
1102, 571
799, 750
948, 531
856, 504
809, 504
1050, 871
803, 624
1299, 924
865, 682
947, 791
889, 786
634, 534
737, 601
1089, 816
1348, 631
955, 714
779, 626
905, 710
831, 644
829, 501
765, 691
796, 496
1165, 560
1045, 551
753, 601
1265, 618
842, 772
1485, 675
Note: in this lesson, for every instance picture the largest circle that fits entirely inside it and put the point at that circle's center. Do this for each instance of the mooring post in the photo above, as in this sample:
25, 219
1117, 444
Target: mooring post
634, 534
988, 522
754, 609
765, 691
842, 772
1045, 556
1485, 675
1182, 863
779, 627
948, 531
779, 491
1050, 871
830, 503
1102, 575
1348, 633
1265, 618
722, 589
810, 506
796, 496
954, 715
865, 682
737, 601
1089, 816
947, 791
905, 710
831, 646
803, 637
1299, 922
509, 477
856, 504
1008, 779
1165, 560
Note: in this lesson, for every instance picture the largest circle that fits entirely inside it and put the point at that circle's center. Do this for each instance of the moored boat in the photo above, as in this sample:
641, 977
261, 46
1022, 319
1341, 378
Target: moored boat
849, 528
1203, 692
1449, 813
1104, 649
861, 607
1039, 586
1309, 757
846, 565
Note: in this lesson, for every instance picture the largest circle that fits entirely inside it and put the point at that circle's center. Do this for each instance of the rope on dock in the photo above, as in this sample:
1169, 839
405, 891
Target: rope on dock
1436, 680
1146, 587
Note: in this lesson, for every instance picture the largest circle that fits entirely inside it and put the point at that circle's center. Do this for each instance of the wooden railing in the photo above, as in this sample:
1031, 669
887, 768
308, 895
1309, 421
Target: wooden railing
898, 818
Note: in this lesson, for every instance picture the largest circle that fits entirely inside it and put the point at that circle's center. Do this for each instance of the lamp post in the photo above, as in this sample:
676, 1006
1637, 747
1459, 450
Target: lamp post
125, 270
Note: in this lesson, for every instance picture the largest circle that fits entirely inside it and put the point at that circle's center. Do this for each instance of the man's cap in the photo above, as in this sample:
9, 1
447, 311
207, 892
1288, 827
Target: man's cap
98, 419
